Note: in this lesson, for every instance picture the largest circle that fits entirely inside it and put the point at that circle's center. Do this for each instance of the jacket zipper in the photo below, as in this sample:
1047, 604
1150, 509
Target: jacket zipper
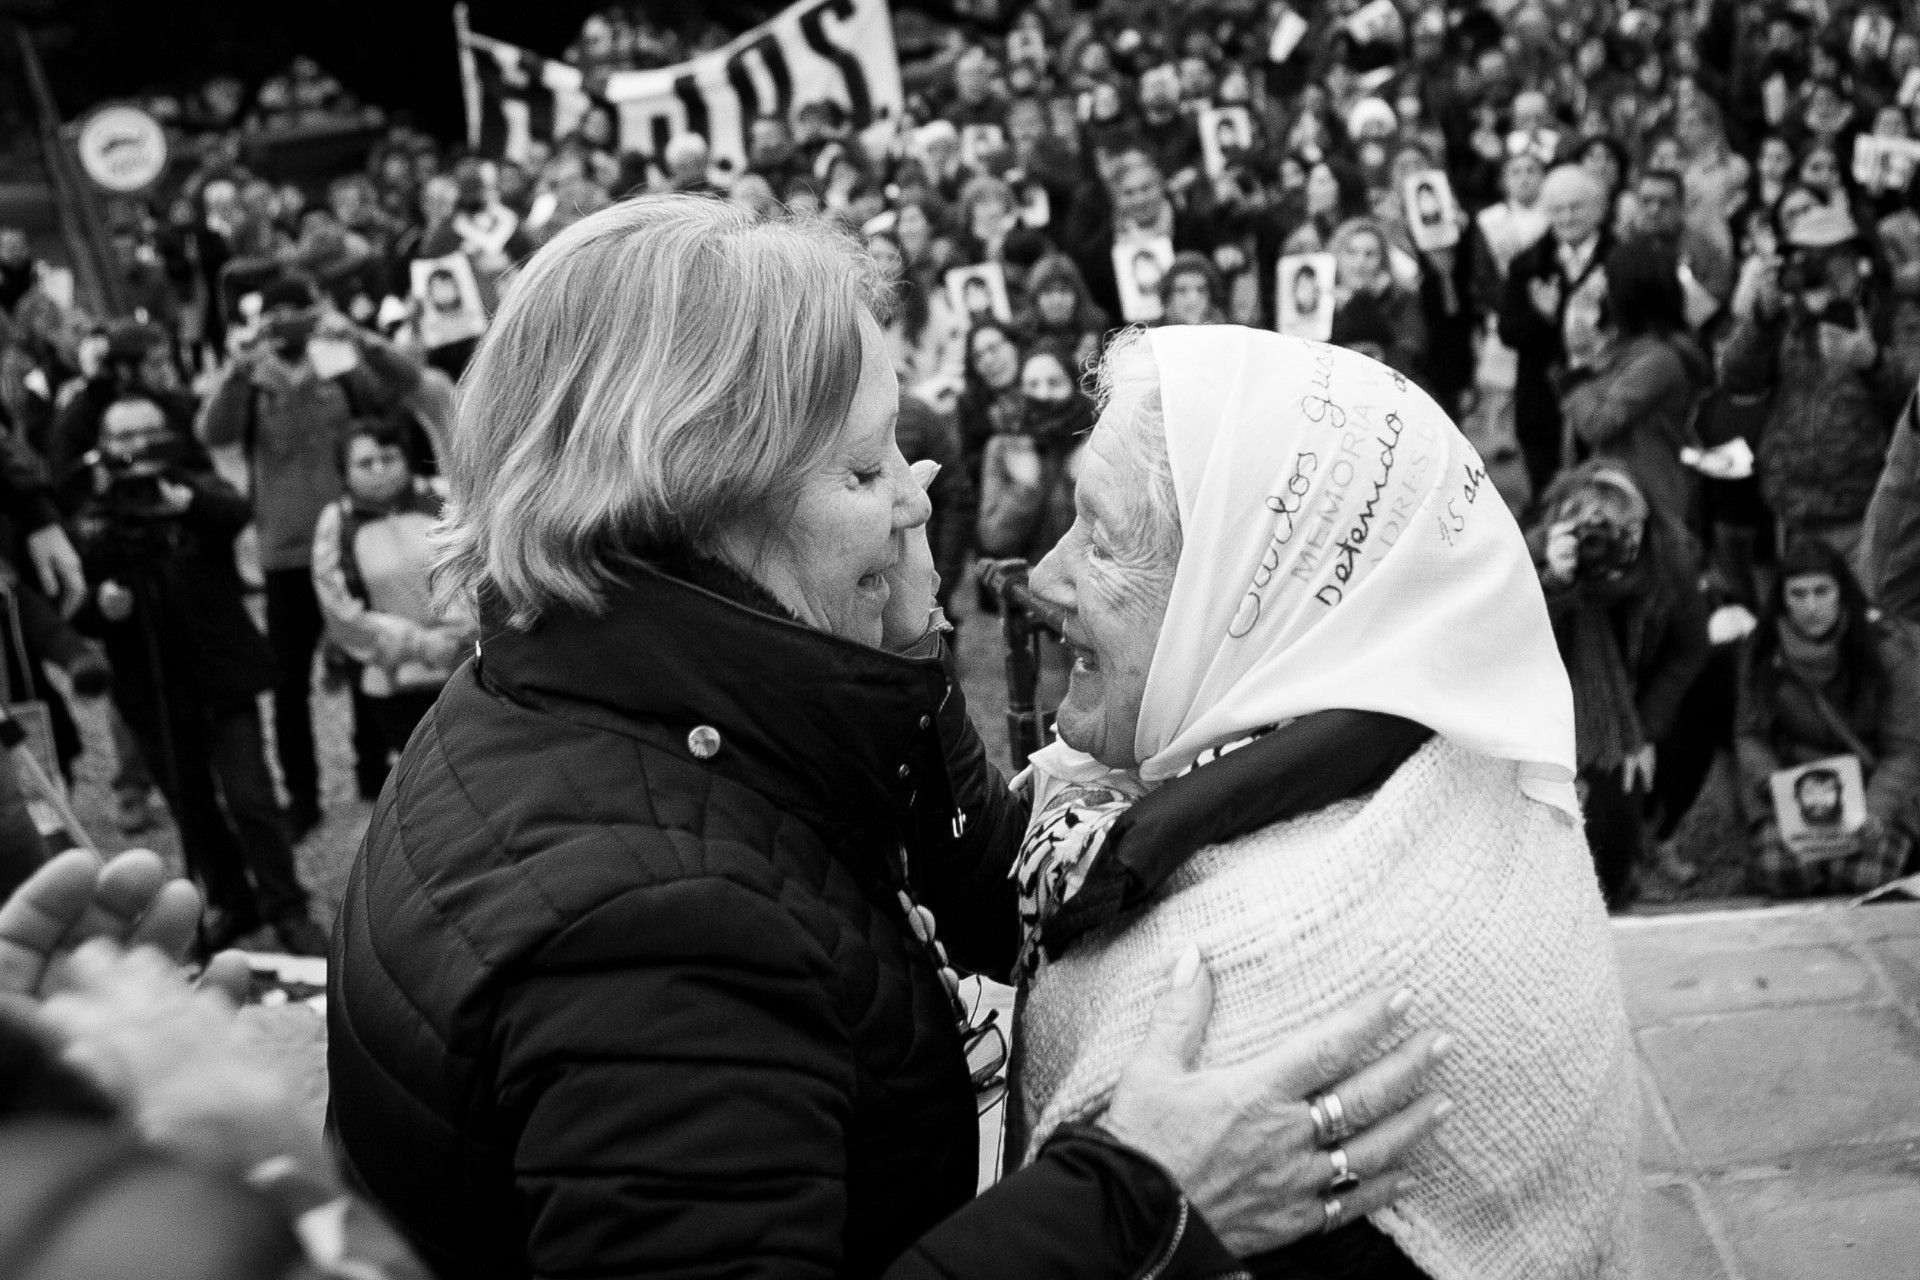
1165, 1259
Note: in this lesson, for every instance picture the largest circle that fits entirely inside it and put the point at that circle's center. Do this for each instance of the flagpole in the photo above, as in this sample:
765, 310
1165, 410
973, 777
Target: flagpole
469, 81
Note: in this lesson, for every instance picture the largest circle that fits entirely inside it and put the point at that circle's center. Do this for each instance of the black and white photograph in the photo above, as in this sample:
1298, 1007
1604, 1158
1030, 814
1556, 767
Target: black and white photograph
1433, 220
1140, 263
962, 639
1225, 135
1305, 291
979, 293
449, 308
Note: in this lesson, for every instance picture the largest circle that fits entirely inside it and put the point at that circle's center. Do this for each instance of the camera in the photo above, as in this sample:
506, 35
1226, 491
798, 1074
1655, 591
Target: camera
1602, 548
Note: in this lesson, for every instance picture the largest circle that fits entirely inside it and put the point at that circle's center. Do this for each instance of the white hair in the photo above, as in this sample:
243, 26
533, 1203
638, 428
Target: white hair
663, 368
1127, 389
1571, 179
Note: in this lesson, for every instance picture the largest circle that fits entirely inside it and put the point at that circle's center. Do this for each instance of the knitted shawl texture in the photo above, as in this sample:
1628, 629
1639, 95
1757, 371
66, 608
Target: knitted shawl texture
1449, 882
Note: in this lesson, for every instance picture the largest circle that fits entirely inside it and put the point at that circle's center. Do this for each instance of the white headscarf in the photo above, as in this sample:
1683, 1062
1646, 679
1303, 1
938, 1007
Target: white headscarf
1342, 547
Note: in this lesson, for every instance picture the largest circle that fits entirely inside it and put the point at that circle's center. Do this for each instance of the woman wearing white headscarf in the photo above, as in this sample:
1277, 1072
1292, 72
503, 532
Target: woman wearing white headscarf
1318, 727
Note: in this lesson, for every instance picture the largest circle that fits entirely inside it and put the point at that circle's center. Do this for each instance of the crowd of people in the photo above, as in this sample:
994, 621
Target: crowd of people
1660, 262
1673, 297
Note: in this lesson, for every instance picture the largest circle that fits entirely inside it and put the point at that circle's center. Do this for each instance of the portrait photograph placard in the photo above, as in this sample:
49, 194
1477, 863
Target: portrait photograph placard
1225, 132
1433, 220
449, 297
1822, 799
979, 293
1139, 264
1304, 289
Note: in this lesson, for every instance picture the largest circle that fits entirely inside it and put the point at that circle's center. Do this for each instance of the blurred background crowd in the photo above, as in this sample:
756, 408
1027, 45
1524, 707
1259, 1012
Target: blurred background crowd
1665, 273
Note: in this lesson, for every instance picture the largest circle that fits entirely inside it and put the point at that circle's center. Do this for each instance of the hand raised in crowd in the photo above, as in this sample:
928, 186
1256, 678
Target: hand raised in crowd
1758, 291
1240, 1140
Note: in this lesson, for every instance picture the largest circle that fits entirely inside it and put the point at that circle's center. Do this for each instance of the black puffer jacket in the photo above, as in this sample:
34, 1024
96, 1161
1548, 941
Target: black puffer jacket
602, 1007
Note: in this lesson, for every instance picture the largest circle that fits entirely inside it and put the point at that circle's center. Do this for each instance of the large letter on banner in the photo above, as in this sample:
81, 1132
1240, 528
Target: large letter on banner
815, 50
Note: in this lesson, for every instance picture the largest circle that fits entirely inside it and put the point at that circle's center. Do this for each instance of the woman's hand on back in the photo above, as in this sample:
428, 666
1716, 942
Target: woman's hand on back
1241, 1141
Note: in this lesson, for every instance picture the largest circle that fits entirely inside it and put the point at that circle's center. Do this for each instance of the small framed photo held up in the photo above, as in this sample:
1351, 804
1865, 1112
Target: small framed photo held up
979, 293
1225, 132
1139, 264
449, 297
1305, 292
1433, 220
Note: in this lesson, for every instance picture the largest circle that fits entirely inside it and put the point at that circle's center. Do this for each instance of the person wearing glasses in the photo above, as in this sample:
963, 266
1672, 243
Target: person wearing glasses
649, 964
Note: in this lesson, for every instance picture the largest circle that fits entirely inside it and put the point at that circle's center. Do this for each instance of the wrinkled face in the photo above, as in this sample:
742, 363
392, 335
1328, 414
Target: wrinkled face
1044, 378
1187, 298
376, 473
1055, 303
1575, 211
1813, 604
994, 358
1111, 596
827, 557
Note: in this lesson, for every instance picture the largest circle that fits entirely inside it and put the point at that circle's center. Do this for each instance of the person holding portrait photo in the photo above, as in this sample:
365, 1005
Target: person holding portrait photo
1825, 675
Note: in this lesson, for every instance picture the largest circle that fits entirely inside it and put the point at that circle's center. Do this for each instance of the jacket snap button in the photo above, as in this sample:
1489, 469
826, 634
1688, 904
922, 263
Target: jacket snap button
906, 771
704, 742
926, 722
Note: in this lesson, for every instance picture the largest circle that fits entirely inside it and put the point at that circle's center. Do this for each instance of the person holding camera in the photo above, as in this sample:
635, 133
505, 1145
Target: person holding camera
1827, 675
156, 529
1802, 332
290, 400
1624, 596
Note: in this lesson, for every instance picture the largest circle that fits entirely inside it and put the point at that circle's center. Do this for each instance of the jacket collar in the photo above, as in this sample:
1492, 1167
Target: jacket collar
840, 734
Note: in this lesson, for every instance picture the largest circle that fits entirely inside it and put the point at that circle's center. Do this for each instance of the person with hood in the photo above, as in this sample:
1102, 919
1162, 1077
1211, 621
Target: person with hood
1635, 403
1622, 589
1060, 310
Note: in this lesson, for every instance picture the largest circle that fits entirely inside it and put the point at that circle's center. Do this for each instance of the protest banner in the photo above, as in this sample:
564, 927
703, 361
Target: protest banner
814, 51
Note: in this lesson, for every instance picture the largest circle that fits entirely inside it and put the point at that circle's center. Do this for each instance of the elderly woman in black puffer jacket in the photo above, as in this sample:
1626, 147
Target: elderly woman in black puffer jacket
648, 964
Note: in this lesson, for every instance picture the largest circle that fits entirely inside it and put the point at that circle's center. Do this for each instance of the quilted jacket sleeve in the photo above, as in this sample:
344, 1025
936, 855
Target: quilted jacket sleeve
681, 1096
684, 1118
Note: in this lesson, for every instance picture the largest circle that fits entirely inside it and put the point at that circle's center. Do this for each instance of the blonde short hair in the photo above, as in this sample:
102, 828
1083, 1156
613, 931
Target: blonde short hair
663, 368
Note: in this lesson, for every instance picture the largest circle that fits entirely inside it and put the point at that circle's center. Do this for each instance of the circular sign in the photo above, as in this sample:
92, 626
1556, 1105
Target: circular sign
122, 148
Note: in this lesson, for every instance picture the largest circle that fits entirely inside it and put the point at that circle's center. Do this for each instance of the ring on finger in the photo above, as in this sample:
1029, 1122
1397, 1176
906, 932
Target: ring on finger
1344, 1178
1331, 1208
1330, 1127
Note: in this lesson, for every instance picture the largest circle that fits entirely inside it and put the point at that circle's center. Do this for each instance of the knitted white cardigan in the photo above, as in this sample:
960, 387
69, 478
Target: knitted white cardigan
1451, 883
